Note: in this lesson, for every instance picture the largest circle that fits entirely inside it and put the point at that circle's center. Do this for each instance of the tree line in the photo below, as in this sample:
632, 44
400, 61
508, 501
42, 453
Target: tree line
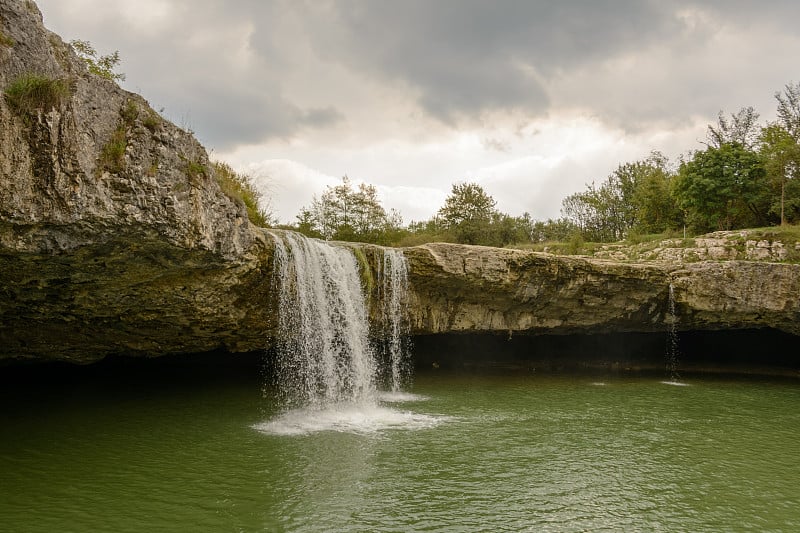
746, 175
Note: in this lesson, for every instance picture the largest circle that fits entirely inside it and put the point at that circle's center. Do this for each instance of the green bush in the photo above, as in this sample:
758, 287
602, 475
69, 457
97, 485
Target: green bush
103, 66
151, 121
195, 171
112, 156
130, 112
576, 244
33, 92
240, 188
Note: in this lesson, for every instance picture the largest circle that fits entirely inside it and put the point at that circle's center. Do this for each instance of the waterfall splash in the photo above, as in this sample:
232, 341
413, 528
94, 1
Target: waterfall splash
395, 294
326, 369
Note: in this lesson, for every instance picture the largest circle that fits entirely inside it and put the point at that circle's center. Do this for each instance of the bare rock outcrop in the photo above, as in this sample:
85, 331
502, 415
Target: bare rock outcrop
460, 288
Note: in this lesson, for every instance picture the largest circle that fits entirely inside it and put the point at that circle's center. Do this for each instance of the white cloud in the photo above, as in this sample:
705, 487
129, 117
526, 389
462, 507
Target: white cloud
542, 163
286, 185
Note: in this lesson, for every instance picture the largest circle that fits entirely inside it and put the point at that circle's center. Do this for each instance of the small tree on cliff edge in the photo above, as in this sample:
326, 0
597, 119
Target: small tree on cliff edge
103, 66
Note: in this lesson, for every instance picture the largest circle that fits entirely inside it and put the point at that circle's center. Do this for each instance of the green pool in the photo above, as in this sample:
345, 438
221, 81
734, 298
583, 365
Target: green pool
121, 451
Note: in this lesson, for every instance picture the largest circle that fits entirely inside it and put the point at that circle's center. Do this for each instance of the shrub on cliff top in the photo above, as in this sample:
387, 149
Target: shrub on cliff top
240, 188
32, 92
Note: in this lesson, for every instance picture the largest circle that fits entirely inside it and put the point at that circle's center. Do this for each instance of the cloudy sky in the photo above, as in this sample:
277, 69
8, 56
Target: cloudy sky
531, 99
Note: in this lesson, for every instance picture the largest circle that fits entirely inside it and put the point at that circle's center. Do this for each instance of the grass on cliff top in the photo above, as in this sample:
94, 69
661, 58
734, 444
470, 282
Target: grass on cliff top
31, 92
575, 246
240, 188
788, 234
637, 246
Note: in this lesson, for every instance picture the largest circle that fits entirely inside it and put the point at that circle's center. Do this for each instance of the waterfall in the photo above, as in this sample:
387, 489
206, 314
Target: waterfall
672, 337
323, 352
325, 368
395, 294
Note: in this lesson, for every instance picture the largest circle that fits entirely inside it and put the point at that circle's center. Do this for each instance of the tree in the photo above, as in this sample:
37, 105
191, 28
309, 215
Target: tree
468, 213
505, 229
552, 230
103, 66
347, 214
741, 128
597, 211
781, 155
656, 209
306, 223
634, 196
723, 188
579, 209
789, 109
780, 146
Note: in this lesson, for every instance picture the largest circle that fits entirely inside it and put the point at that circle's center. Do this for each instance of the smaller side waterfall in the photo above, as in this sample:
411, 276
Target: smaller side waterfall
395, 297
672, 337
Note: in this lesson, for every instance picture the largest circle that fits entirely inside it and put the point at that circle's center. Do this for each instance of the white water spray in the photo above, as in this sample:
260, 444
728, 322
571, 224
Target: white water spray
395, 295
672, 338
326, 369
324, 354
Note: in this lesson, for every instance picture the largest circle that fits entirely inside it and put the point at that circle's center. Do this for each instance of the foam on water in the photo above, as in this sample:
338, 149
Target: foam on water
674, 383
346, 418
400, 397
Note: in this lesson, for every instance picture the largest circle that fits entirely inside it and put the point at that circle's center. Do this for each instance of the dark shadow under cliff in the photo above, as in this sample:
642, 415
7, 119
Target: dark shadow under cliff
753, 352
757, 351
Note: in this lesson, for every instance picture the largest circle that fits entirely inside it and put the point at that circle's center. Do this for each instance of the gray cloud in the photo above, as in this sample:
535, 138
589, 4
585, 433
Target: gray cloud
467, 57
201, 66
321, 117
241, 70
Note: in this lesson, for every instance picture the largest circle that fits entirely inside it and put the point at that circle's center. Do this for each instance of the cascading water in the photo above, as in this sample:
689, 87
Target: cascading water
395, 294
323, 355
672, 338
326, 369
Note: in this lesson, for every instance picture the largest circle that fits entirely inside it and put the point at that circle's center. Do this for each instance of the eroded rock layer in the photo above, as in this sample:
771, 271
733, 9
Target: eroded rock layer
473, 288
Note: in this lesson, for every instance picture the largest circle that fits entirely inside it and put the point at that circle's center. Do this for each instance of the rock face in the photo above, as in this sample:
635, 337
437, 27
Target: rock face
137, 251
463, 288
473, 288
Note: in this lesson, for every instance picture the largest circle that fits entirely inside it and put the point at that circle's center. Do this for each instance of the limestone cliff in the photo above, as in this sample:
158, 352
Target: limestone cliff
136, 250
473, 288
114, 234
